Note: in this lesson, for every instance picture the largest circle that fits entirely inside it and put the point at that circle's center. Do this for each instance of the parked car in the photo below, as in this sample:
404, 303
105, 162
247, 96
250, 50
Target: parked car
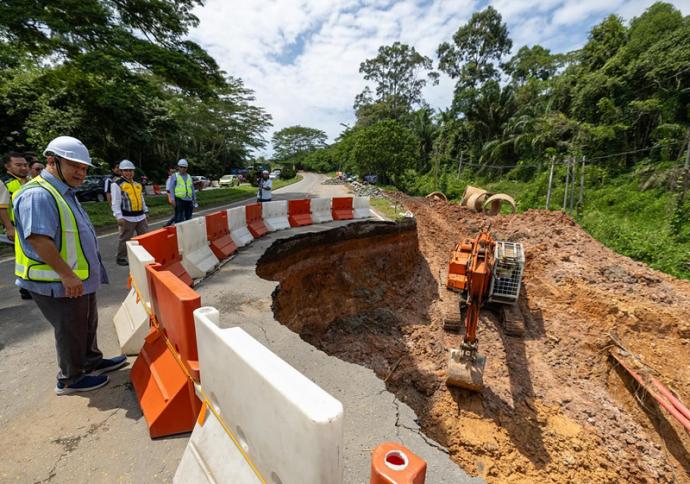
201, 182
91, 190
274, 174
229, 180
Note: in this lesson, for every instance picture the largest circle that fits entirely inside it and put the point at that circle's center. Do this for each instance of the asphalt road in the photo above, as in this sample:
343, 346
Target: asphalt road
101, 436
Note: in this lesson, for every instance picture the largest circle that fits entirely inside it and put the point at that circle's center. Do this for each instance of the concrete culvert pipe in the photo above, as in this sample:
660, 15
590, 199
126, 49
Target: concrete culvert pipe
476, 200
469, 191
438, 196
492, 205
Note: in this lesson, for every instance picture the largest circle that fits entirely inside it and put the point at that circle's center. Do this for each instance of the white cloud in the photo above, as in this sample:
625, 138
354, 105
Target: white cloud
258, 40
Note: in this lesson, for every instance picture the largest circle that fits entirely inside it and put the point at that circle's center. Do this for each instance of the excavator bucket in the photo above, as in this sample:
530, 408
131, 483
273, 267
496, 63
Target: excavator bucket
465, 371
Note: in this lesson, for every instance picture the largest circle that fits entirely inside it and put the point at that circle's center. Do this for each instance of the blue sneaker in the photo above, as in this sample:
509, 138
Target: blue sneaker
109, 364
86, 384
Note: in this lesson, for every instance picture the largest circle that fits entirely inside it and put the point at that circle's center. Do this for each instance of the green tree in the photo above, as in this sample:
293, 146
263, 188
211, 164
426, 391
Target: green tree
290, 144
477, 47
386, 148
399, 73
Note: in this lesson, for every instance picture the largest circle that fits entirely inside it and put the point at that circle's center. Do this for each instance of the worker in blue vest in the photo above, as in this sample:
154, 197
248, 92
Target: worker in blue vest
58, 262
183, 194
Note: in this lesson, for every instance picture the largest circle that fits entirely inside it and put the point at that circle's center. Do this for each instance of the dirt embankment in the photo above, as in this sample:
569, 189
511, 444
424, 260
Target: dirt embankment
553, 409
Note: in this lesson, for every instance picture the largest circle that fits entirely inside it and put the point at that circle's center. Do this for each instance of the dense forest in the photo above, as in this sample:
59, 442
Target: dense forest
618, 108
121, 76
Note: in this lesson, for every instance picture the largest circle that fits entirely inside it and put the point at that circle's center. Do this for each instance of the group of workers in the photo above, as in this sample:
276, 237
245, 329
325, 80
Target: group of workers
57, 259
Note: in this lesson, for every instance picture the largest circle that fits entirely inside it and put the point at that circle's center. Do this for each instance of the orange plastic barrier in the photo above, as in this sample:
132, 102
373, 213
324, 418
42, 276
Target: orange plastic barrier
299, 212
394, 463
166, 396
342, 208
173, 304
156, 189
218, 234
162, 245
255, 223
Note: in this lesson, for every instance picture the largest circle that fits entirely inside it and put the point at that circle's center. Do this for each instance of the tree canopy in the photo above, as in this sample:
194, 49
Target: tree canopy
291, 143
120, 76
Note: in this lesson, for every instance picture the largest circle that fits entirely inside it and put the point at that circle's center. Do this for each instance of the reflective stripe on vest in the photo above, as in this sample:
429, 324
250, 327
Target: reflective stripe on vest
13, 185
70, 244
183, 189
132, 203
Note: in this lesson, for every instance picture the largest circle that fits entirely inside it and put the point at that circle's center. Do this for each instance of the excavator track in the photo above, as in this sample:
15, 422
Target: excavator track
512, 319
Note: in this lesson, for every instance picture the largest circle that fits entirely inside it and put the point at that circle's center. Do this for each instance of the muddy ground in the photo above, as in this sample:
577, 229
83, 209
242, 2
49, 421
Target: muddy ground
554, 407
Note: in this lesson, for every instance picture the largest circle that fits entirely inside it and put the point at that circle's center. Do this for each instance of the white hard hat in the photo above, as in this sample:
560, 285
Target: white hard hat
69, 148
127, 165
183, 163
265, 172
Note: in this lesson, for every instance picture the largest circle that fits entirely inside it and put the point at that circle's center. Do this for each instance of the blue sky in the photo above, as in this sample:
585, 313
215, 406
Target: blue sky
302, 57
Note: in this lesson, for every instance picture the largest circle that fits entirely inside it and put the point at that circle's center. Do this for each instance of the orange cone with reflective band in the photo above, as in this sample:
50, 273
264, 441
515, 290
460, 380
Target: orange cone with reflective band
393, 463
165, 393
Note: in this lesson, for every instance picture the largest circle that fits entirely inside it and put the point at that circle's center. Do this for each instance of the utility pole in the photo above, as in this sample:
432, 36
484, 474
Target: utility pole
573, 167
581, 201
460, 163
567, 180
548, 191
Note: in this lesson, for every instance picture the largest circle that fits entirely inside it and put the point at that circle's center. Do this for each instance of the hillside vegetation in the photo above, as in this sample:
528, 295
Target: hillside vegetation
621, 102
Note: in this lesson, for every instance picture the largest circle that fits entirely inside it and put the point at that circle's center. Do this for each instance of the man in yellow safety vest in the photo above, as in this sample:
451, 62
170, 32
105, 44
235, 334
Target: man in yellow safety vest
129, 208
181, 186
17, 175
58, 262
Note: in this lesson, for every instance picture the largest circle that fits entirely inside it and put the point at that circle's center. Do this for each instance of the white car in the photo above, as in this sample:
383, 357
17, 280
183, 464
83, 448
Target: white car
274, 174
229, 181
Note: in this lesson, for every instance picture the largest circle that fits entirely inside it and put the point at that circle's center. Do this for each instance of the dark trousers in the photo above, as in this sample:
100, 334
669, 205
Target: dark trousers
183, 210
127, 231
75, 322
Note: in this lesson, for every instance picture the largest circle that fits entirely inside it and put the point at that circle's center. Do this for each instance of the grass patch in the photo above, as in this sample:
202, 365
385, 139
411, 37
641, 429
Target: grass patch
386, 208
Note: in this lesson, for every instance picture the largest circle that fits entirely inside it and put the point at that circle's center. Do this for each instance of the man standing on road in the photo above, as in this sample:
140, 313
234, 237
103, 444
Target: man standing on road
265, 186
129, 208
182, 188
110, 179
57, 260
16, 176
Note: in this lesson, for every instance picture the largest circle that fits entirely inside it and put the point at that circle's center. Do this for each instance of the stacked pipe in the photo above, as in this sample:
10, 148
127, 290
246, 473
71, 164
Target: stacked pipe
480, 200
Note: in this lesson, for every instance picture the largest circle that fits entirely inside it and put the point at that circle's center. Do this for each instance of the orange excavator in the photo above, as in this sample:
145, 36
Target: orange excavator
482, 270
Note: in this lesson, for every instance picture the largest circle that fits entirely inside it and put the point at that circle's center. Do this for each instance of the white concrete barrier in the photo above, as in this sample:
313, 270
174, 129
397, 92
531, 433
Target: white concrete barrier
290, 428
212, 457
197, 257
131, 319
275, 215
361, 207
131, 324
321, 210
237, 224
148, 190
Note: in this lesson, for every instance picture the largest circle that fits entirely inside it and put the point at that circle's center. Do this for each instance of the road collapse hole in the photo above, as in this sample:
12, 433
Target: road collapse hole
359, 293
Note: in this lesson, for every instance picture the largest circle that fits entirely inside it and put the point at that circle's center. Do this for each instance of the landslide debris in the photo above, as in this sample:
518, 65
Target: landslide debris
553, 408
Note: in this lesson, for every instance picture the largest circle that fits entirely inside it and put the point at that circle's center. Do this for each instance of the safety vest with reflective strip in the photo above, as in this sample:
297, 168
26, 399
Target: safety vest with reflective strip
132, 203
70, 244
183, 188
13, 185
